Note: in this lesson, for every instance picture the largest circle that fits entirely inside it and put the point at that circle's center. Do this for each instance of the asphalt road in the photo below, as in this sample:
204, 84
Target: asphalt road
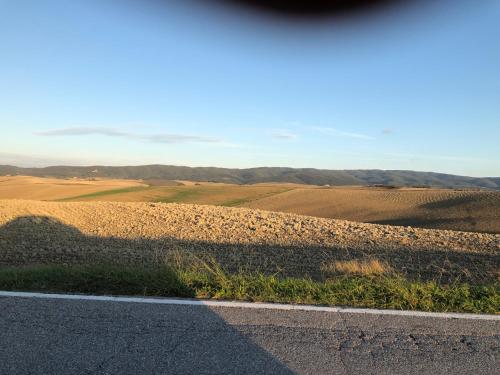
49, 336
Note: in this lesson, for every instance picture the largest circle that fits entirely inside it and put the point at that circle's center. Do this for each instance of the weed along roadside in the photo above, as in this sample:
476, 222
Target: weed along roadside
207, 280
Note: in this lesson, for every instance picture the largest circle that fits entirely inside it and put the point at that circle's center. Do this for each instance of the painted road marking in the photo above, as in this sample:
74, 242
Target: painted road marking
249, 305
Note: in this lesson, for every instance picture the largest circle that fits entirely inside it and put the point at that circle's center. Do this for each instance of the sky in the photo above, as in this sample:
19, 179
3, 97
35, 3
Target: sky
131, 82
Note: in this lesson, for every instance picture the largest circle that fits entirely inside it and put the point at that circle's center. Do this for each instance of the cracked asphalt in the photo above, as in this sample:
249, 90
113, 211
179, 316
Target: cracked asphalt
48, 336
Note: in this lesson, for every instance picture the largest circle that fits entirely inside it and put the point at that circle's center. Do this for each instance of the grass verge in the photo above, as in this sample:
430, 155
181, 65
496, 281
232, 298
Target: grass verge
212, 282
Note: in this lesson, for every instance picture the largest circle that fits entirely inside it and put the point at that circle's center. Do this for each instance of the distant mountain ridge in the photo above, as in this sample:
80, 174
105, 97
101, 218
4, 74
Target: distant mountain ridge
263, 174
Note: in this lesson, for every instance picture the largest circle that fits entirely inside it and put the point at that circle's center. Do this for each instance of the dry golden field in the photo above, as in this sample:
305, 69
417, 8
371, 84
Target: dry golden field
463, 210
38, 188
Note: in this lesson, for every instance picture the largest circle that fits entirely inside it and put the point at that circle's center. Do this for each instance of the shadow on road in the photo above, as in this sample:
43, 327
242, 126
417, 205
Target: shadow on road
89, 337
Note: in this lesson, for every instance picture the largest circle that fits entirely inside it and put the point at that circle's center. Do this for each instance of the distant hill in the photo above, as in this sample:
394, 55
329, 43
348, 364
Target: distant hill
265, 174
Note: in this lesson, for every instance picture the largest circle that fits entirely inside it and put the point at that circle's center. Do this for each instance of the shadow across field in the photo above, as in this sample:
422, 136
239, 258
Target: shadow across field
452, 202
33, 240
464, 213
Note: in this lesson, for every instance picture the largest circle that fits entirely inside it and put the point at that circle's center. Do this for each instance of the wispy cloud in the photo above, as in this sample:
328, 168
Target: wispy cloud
340, 133
112, 132
283, 134
35, 160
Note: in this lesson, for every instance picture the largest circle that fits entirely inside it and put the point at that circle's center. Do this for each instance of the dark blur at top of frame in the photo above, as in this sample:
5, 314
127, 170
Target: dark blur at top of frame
312, 10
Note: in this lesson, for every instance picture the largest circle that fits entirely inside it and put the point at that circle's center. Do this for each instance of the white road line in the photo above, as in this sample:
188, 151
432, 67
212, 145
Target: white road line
249, 305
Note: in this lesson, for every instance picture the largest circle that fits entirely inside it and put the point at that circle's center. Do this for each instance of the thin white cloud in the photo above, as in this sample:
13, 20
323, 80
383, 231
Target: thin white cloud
83, 131
111, 132
283, 134
34, 160
340, 133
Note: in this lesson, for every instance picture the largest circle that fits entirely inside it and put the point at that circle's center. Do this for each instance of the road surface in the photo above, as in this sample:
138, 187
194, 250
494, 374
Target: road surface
63, 336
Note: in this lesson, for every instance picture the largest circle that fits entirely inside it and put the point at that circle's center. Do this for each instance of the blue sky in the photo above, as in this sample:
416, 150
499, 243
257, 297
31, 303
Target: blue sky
120, 83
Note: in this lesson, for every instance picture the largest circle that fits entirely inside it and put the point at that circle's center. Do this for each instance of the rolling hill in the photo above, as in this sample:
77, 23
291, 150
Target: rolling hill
264, 174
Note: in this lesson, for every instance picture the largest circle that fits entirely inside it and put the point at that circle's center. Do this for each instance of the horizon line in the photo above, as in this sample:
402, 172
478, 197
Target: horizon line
237, 168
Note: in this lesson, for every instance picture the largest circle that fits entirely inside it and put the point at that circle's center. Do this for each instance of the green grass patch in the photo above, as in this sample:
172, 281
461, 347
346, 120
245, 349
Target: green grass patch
236, 202
212, 282
95, 279
240, 201
180, 196
105, 193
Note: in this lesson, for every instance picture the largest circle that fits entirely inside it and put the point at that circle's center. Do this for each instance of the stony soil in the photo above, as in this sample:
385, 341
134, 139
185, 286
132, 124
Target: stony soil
75, 232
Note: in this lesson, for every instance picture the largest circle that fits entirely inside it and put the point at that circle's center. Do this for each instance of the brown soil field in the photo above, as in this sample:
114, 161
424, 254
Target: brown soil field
462, 210
465, 210
35, 232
